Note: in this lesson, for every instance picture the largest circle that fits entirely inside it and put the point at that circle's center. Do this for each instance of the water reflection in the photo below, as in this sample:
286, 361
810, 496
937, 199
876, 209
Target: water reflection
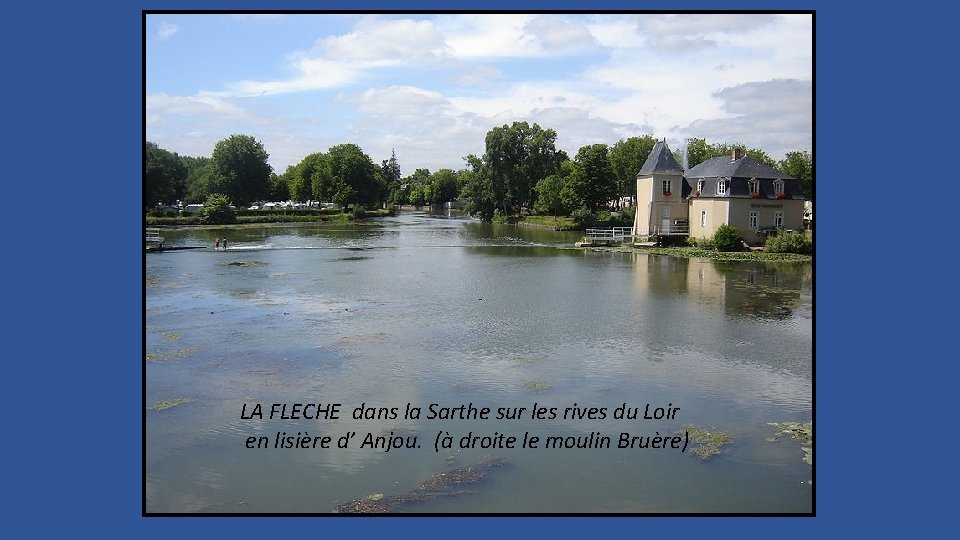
742, 288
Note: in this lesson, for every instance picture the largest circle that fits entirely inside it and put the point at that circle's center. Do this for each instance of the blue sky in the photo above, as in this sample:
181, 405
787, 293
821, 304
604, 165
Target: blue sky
430, 87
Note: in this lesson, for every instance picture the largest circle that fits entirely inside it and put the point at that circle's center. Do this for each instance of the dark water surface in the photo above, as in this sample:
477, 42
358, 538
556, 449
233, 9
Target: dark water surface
417, 309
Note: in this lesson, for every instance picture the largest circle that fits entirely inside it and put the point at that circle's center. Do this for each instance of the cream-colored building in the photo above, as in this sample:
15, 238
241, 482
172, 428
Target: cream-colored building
736, 190
661, 195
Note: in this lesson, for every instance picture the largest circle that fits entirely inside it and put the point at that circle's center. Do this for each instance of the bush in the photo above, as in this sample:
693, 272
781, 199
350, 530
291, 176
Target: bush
727, 238
217, 211
359, 212
583, 217
789, 242
702, 243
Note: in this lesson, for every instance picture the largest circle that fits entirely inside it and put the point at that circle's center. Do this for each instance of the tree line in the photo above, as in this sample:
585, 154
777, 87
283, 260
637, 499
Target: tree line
520, 171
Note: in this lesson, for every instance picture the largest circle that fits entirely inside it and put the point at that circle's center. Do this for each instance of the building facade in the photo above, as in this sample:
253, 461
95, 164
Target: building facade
733, 190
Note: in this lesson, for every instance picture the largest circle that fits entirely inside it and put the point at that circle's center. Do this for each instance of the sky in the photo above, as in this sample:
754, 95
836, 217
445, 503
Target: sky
429, 87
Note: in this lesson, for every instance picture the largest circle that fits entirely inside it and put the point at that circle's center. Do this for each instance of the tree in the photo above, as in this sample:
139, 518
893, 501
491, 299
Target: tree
592, 183
550, 190
516, 157
198, 168
626, 158
799, 164
300, 178
348, 176
444, 186
279, 187
217, 210
477, 188
164, 176
239, 166
390, 169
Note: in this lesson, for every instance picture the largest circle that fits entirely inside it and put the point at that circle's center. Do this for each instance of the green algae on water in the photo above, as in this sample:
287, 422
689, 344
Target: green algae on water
169, 404
536, 386
708, 441
802, 433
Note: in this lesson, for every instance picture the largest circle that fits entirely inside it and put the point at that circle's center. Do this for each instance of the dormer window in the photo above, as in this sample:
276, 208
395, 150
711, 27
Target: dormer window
778, 187
722, 186
754, 185
667, 185
699, 186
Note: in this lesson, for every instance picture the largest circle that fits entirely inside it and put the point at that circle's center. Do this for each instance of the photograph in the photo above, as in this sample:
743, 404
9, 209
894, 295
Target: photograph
543, 263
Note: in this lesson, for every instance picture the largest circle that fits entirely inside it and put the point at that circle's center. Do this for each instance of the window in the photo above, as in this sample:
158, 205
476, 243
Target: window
778, 187
722, 187
778, 220
754, 185
753, 220
666, 212
699, 186
703, 218
666, 187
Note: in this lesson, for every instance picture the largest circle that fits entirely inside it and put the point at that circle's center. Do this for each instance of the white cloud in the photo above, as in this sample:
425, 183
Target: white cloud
376, 42
199, 105
166, 30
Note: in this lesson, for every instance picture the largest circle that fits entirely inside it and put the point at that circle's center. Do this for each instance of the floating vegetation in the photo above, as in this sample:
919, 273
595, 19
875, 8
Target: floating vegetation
443, 484
708, 442
171, 336
536, 386
151, 281
244, 263
354, 258
803, 433
260, 372
170, 355
169, 404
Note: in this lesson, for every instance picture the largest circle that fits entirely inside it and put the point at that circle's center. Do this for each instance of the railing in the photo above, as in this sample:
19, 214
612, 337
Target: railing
670, 230
616, 233
153, 235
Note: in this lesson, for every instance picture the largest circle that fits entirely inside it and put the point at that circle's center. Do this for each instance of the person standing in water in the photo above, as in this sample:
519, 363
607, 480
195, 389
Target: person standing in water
216, 245
224, 242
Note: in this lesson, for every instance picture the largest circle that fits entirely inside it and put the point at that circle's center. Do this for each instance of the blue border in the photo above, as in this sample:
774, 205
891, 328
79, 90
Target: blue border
75, 433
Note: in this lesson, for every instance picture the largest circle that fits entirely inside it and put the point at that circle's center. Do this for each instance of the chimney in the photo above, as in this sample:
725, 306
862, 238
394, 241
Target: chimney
736, 154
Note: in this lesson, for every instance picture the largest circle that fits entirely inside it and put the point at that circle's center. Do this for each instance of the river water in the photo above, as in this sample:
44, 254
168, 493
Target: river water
423, 310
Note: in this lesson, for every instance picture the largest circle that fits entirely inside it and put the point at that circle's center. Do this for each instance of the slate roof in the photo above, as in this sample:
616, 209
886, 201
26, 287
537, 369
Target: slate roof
660, 161
745, 167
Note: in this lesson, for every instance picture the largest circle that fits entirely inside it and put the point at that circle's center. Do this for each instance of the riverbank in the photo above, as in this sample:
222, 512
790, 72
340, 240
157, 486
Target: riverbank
273, 217
698, 253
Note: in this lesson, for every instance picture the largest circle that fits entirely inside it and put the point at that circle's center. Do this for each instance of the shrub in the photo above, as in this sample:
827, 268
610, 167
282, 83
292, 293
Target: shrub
359, 212
727, 238
583, 217
217, 211
789, 242
702, 243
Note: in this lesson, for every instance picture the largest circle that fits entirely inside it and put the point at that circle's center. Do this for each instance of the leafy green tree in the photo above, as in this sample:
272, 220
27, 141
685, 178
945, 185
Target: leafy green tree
164, 176
349, 177
198, 168
239, 166
799, 164
444, 186
516, 157
592, 183
550, 197
477, 189
626, 158
217, 210
300, 178
279, 187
